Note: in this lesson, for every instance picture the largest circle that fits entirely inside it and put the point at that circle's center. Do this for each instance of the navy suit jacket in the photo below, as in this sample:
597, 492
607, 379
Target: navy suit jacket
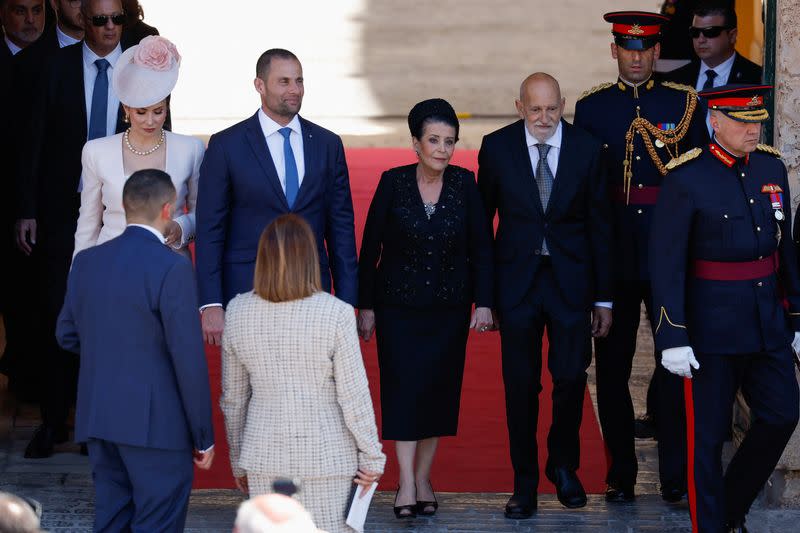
239, 194
576, 223
131, 313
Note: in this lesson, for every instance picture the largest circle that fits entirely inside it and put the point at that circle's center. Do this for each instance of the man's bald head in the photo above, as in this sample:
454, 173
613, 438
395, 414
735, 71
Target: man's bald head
539, 78
540, 105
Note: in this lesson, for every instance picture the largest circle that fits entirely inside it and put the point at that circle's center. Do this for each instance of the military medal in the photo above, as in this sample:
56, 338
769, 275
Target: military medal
779, 215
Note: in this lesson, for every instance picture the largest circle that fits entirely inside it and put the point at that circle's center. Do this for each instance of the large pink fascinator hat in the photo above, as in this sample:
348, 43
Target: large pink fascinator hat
146, 74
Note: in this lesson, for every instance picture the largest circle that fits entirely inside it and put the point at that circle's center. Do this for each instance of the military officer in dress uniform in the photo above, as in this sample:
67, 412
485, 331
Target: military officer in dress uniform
644, 124
726, 293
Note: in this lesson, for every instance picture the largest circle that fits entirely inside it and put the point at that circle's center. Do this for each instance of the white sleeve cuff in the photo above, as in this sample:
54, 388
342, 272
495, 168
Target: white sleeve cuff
609, 305
209, 305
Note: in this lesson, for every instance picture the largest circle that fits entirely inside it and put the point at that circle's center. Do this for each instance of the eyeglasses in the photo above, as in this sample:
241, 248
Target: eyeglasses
710, 32
102, 20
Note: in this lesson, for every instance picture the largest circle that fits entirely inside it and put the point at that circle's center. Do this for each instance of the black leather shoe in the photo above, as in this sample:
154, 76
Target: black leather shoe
672, 494
41, 445
620, 494
520, 507
644, 427
568, 487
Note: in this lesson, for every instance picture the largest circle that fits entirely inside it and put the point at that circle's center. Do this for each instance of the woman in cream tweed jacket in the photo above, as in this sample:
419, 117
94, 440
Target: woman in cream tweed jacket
294, 390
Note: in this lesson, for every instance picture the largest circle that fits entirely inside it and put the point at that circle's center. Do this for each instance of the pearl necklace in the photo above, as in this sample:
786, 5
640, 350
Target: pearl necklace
146, 152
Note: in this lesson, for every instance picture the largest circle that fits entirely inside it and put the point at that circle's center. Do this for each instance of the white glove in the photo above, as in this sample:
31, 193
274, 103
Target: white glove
796, 342
680, 360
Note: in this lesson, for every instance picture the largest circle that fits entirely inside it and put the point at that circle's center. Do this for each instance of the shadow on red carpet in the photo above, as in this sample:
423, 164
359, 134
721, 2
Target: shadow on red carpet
477, 459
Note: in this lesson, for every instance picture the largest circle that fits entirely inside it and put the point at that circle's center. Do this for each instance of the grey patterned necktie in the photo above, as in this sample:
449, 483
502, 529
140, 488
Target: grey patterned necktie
544, 179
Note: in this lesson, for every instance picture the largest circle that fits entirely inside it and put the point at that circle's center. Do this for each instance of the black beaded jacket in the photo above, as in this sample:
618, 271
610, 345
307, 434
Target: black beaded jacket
410, 260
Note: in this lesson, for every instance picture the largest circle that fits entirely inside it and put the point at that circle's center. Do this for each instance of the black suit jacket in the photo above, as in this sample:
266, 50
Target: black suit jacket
50, 169
131, 35
742, 71
576, 223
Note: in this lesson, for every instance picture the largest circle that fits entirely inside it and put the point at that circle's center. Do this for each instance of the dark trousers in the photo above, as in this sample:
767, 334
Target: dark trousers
140, 489
614, 361
61, 367
569, 355
769, 386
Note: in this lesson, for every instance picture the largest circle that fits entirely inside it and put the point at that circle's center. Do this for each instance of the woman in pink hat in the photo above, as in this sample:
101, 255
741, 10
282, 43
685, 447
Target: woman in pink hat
143, 79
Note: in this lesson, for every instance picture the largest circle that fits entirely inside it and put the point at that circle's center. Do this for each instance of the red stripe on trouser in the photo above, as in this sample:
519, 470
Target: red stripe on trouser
687, 393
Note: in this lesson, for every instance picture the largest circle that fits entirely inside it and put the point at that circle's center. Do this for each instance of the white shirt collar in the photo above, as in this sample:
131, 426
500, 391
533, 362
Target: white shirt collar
152, 230
12, 47
89, 57
723, 70
554, 140
269, 126
64, 39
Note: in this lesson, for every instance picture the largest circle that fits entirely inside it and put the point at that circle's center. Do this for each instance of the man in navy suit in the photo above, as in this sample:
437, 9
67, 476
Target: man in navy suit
546, 180
144, 402
273, 163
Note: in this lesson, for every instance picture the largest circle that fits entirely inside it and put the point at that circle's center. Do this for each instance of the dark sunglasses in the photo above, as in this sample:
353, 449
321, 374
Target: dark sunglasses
710, 32
102, 20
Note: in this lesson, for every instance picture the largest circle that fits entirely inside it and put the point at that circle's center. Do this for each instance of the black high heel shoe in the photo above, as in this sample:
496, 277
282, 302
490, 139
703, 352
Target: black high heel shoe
422, 506
404, 511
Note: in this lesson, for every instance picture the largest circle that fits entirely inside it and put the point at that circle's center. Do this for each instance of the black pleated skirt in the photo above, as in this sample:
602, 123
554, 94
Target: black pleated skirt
421, 356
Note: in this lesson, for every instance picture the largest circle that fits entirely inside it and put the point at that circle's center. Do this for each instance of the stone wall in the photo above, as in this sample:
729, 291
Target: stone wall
784, 488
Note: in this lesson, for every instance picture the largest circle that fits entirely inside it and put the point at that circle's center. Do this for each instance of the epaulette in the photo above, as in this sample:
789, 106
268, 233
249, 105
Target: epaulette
595, 89
683, 158
678, 86
769, 149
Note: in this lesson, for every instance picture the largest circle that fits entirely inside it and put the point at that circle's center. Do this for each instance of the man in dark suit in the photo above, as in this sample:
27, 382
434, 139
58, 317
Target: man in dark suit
272, 163
22, 22
75, 103
144, 403
545, 178
22, 327
713, 33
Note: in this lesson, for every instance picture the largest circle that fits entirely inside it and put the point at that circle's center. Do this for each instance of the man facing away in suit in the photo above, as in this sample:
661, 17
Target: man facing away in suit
74, 104
23, 24
546, 180
273, 163
144, 404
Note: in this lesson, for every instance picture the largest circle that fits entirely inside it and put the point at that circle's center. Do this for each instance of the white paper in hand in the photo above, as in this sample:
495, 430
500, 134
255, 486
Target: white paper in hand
359, 506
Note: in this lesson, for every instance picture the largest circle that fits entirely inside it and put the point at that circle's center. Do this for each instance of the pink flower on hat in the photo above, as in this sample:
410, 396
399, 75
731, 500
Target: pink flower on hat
156, 53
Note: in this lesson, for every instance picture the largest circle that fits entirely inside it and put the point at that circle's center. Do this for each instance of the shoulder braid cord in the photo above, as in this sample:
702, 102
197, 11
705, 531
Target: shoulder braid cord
670, 138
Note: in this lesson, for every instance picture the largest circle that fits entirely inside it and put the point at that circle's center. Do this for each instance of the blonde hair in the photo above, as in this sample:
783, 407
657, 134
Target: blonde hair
287, 264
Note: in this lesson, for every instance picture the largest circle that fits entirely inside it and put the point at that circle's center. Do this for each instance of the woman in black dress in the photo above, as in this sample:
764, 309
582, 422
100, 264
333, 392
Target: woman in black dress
425, 258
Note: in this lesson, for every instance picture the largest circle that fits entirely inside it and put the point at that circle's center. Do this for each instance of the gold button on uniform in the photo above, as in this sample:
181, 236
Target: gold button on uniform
752, 201
639, 211
638, 158
758, 228
760, 284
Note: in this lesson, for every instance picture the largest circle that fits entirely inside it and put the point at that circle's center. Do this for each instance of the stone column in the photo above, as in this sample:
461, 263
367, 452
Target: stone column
784, 488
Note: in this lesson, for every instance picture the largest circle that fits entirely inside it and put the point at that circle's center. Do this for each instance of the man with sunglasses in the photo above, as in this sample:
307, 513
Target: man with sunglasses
644, 123
713, 33
74, 103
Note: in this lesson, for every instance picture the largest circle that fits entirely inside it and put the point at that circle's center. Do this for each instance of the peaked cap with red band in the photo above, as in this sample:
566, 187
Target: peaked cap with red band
635, 30
744, 103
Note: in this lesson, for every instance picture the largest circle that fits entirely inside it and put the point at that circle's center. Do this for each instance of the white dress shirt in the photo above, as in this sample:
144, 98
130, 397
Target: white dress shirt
152, 230
89, 75
552, 161
12, 47
275, 144
64, 39
723, 71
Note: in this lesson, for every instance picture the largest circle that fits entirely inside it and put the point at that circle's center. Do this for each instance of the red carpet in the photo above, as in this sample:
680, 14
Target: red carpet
477, 459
